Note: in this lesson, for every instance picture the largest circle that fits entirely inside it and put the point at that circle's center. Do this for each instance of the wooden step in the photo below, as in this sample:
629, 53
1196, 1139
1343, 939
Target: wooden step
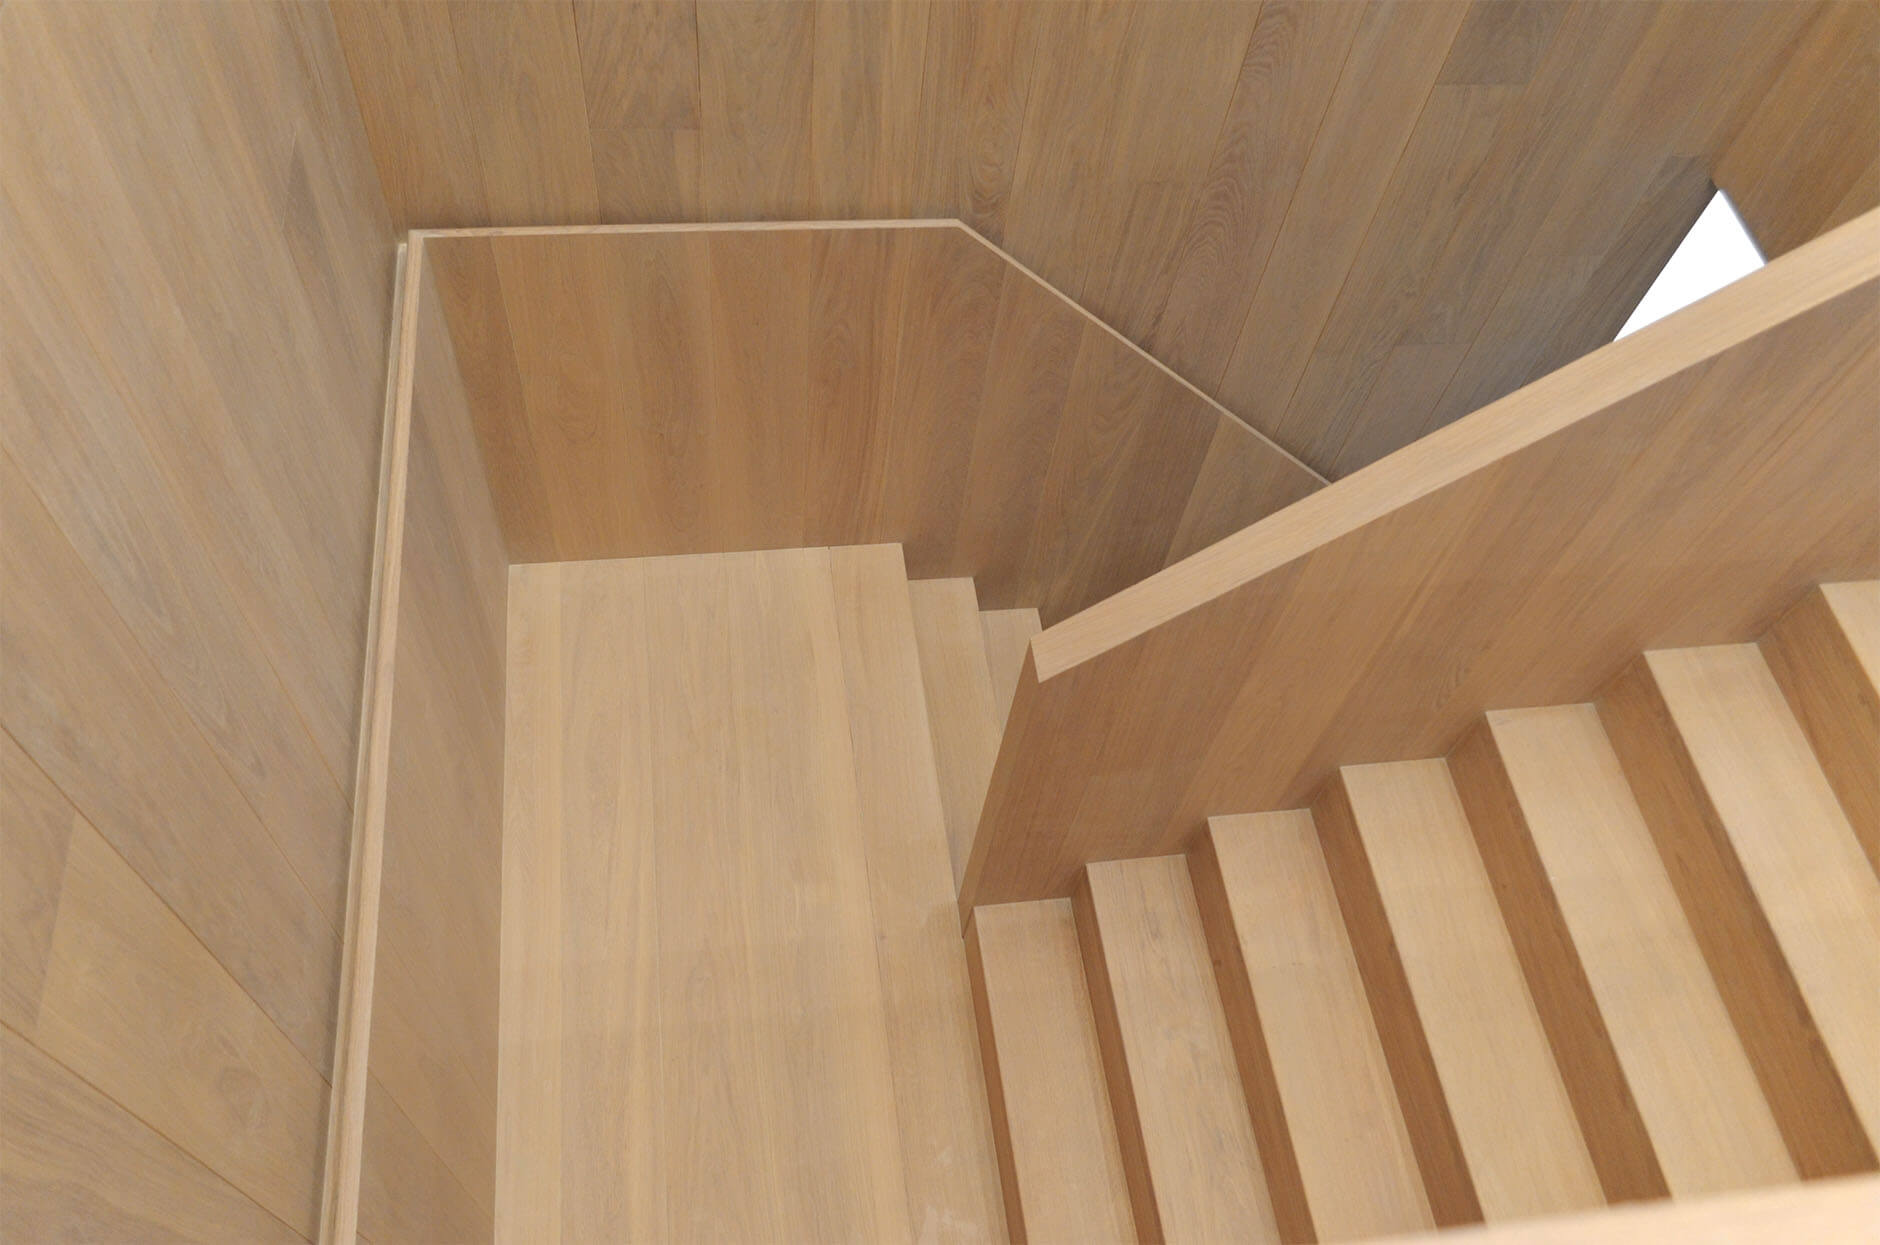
1188, 1147
1782, 899
1464, 1040
1008, 636
1338, 1159
960, 706
1825, 652
1058, 1157
1666, 1097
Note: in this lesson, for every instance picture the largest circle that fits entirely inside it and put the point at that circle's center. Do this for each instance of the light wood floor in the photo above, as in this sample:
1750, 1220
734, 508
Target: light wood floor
734, 996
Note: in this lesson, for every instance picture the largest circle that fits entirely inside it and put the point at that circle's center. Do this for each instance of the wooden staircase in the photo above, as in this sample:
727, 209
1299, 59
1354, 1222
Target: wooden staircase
1600, 953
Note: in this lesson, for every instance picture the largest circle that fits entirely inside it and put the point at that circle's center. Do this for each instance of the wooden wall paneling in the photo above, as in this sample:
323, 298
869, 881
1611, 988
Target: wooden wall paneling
1825, 652
407, 1193
975, 87
39, 822
1798, 1077
1809, 144
755, 80
1008, 639
865, 100
76, 1165
1757, 392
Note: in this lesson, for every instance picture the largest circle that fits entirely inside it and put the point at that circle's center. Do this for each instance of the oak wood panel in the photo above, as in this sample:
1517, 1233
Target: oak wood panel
196, 304
947, 1151
734, 1001
1799, 1079
1188, 1146
1303, 1032
1058, 1158
1007, 635
1211, 178
1520, 556
1825, 652
960, 708
663, 390
1591, 1070
1793, 841
1484, 1034
74, 1165
1686, 1076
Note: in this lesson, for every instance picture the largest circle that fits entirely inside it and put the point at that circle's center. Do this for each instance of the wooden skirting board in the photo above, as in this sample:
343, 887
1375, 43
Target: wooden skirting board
1677, 487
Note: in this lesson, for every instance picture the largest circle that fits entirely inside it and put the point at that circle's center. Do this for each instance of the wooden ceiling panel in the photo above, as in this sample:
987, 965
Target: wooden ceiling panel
1351, 223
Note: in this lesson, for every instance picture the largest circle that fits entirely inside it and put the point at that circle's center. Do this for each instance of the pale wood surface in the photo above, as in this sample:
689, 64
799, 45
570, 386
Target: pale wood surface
1058, 1155
1825, 652
197, 287
1748, 963
1349, 222
1188, 1145
1306, 1008
1710, 1126
960, 707
665, 390
1834, 1212
1820, 897
1520, 556
734, 1002
1007, 634
1524, 1148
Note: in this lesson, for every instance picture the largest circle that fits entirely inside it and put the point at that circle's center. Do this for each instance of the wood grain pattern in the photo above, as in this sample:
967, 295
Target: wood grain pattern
1188, 1146
734, 1001
1794, 843
1058, 1157
1799, 1079
1007, 634
693, 390
1825, 652
960, 708
1685, 1075
1211, 178
1520, 556
1303, 1033
1484, 1035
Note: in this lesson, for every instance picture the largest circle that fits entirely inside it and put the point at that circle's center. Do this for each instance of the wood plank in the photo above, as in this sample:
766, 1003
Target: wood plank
755, 68
947, 1152
1188, 1146
639, 64
1484, 1035
960, 706
39, 822
1795, 845
1324, 1109
407, 1193
1058, 1155
1711, 1130
76, 1165
1157, 707
1825, 654
1007, 635
1799, 1080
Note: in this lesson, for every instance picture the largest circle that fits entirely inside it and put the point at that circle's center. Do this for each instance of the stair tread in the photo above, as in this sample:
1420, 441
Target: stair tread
1825, 654
1008, 637
1058, 1153
1306, 1007
1695, 1089
966, 723
1797, 849
1188, 1145
1483, 1031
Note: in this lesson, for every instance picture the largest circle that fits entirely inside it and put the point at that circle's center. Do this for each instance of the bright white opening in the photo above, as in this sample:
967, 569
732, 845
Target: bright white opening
1716, 252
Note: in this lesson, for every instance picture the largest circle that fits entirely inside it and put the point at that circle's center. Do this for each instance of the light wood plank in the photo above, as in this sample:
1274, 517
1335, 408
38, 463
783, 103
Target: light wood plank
1794, 843
1711, 1128
1484, 1035
1187, 1143
1007, 635
947, 1150
1303, 1032
960, 706
1058, 1155
1825, 653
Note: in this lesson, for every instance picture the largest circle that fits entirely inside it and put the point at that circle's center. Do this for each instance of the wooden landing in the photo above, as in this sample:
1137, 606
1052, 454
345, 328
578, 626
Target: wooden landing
735, 1005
